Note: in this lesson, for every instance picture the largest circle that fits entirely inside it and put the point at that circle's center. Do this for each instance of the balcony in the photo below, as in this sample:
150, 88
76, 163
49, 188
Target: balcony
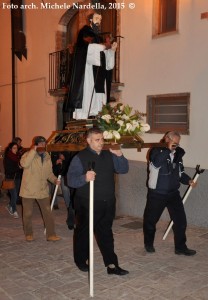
59, 68
59, 74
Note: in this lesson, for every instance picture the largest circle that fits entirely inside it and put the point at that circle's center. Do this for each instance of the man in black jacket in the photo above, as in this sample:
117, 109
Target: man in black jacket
95, 164
61, 162
166, 173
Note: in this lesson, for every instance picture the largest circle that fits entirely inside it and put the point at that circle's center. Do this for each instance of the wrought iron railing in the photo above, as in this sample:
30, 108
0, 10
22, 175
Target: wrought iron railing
60, 68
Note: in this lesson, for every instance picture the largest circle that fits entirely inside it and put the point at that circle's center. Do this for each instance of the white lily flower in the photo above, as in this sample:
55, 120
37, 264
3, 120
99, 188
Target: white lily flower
122, 107
106, 118
116, 135
120, 122
145, 127
125, 117
135, 122
134, 126
128, 127
107, 135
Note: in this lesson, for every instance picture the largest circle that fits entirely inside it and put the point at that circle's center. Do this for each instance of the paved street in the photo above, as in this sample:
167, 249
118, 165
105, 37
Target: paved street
45, 270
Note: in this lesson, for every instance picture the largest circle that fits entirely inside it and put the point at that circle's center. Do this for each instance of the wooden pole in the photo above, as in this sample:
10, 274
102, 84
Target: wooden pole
54, 197
55, 192
184, 200
91, 235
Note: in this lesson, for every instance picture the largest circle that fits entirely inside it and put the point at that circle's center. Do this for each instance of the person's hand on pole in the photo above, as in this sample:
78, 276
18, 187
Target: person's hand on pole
58, 181
90, 176
192, 183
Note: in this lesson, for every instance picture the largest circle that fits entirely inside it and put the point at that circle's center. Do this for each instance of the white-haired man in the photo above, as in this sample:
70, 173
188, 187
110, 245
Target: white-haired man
166, 173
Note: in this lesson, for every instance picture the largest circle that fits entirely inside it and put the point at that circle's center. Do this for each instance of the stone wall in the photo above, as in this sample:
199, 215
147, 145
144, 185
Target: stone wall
131, 195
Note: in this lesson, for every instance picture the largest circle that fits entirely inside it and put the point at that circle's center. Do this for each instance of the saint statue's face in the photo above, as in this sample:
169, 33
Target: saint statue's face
96, 19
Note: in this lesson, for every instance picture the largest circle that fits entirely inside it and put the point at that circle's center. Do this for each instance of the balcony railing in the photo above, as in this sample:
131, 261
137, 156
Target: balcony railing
60, 68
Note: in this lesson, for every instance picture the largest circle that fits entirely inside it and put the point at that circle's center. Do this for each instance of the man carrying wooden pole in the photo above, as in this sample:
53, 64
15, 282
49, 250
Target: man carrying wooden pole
106, 164
166, 173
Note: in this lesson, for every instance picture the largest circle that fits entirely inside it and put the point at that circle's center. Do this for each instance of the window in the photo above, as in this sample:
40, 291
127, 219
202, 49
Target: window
168, 112
164, 16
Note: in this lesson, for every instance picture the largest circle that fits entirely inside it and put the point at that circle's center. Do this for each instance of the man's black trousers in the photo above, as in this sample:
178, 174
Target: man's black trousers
104, 213
156, 203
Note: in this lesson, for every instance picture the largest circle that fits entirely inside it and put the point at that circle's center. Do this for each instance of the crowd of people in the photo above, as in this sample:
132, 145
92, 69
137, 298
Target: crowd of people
31, 170
34, 169
89, 88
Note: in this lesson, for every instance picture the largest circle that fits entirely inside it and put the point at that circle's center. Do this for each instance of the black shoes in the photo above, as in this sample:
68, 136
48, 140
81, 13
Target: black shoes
117, 271
70, 225
112, 271
149, 249
83, 267
187, 252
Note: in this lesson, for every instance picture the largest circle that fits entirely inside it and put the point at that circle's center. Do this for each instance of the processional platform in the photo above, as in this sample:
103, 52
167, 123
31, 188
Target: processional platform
73, 138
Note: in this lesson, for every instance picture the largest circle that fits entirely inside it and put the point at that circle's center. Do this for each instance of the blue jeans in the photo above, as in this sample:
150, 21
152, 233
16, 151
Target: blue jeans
14, 193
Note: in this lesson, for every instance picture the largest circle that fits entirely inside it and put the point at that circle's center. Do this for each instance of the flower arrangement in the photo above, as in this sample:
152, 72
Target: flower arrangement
120, 120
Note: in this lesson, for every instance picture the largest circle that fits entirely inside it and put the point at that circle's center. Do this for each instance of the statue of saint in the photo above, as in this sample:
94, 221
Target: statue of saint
93, 58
